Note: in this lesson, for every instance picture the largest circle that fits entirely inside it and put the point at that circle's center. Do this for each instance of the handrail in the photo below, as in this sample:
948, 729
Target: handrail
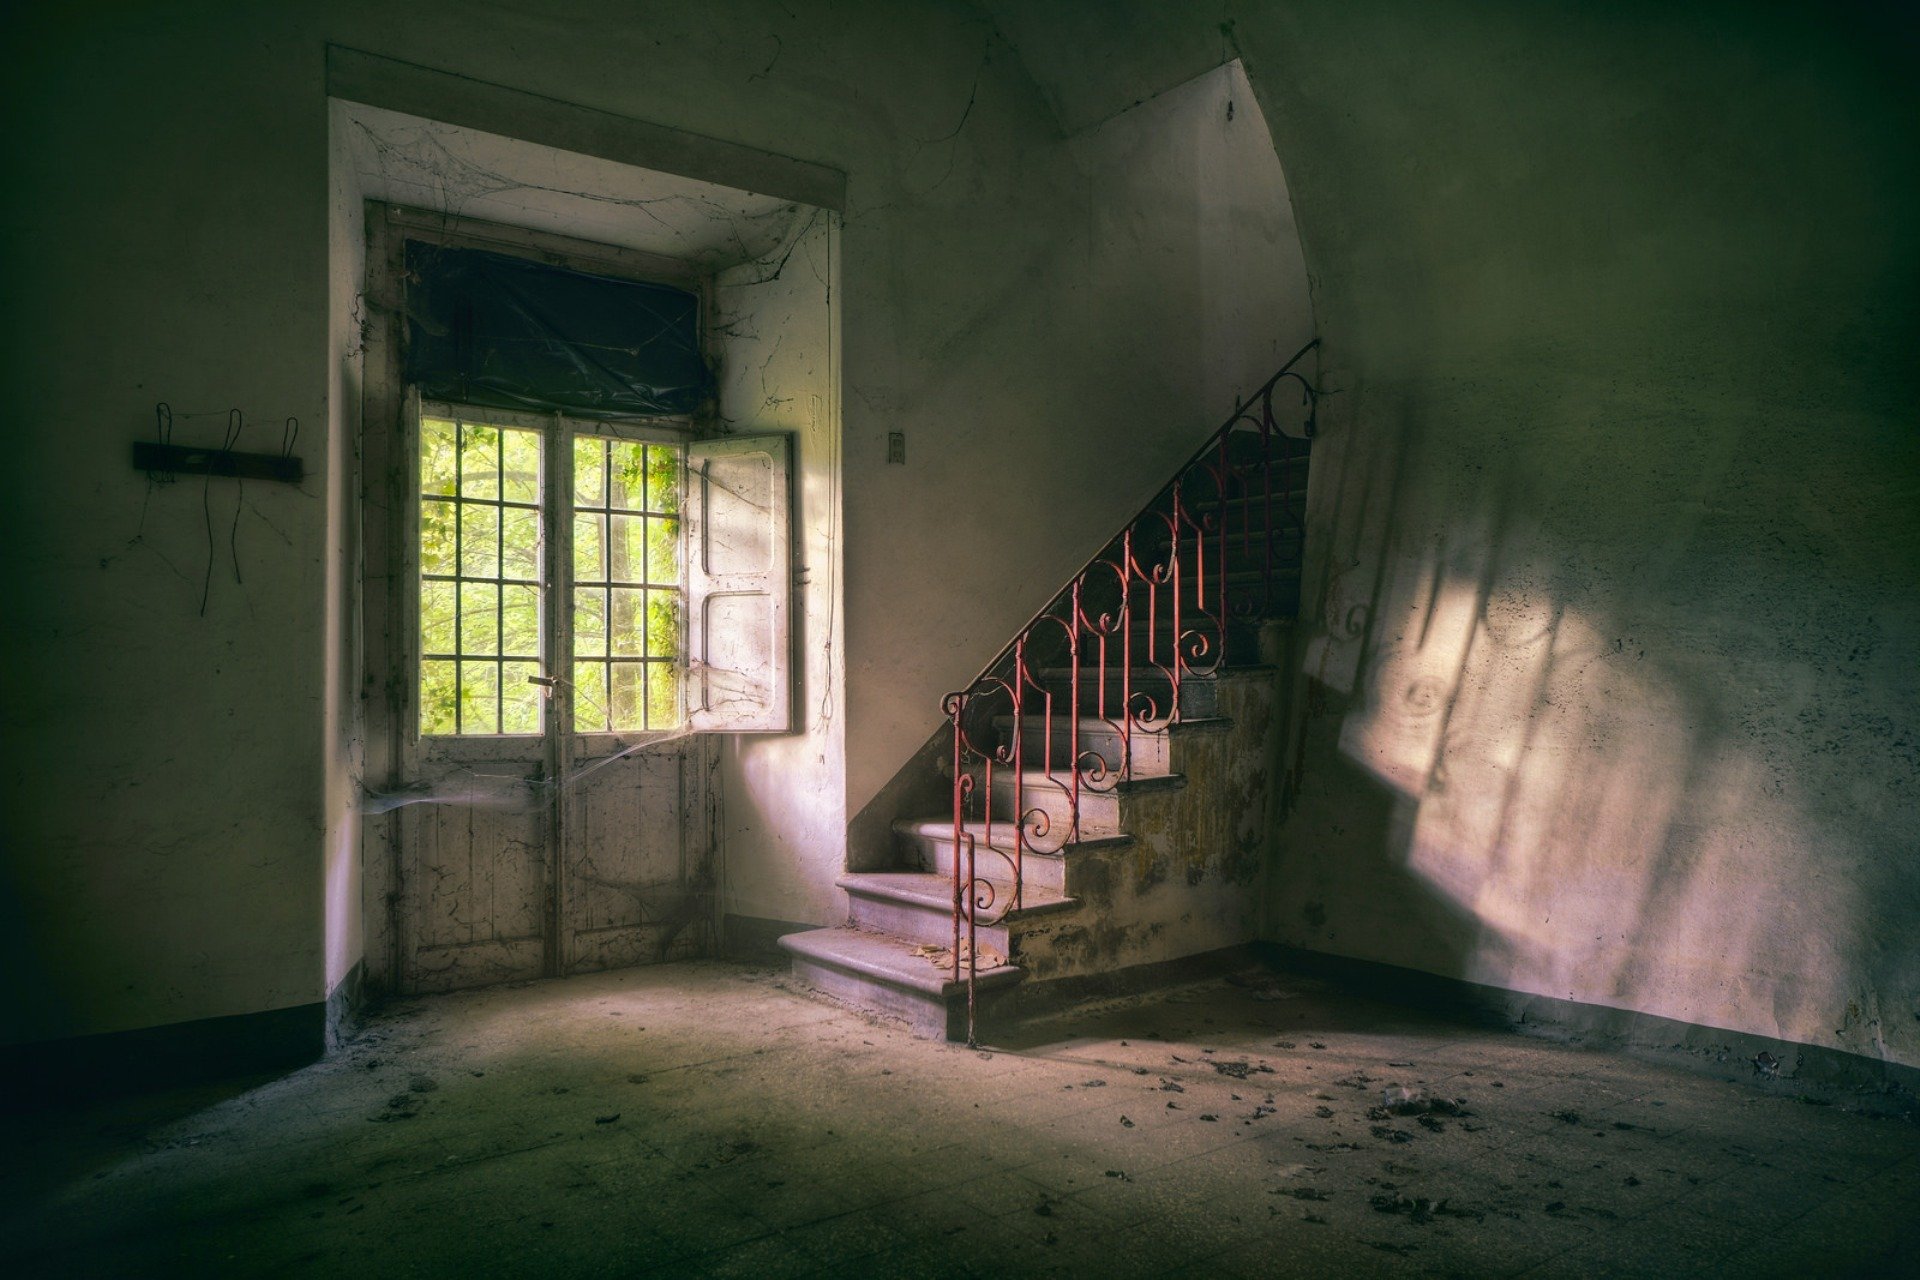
1167, 568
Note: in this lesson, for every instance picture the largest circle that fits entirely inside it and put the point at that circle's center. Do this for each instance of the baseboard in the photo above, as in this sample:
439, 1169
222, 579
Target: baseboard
1806, 1071
756, 939
153, 1058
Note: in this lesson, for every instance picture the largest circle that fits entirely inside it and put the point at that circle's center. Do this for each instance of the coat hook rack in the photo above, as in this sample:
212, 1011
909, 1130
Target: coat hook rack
162, 457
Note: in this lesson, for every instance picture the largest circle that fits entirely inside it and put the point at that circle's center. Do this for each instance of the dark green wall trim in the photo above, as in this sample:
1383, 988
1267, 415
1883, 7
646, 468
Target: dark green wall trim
162, 1057
1808, 1071
756, 939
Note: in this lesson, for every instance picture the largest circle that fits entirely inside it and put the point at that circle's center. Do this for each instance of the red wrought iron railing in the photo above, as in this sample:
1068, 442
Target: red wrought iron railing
1156, 607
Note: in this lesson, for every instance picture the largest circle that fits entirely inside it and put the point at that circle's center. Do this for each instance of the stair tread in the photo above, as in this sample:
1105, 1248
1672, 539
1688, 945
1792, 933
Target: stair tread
1198, 724
931, 889
1159, 674
1149, 673
886, 958
938, 828
1140, 782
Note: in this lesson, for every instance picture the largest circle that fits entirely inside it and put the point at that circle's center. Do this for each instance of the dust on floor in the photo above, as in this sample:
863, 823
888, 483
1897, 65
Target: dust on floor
709, 1119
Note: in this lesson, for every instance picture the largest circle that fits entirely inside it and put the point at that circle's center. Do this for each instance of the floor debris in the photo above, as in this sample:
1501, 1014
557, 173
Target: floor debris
765, 1141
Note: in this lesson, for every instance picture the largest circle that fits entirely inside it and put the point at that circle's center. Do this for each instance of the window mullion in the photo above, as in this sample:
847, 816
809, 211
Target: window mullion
557, 514
500, 582
459, 582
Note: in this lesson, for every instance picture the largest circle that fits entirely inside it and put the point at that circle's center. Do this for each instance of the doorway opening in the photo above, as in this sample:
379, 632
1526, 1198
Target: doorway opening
583, 623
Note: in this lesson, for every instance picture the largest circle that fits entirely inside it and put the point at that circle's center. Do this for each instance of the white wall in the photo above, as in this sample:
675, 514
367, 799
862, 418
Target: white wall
782, 811
1178, 290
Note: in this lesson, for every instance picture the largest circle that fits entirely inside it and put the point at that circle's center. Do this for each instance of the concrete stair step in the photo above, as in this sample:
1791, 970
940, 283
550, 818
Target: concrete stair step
1053, 796
1155, 643
884, 974
1152, 748
1198, 698
928, 843
918, 905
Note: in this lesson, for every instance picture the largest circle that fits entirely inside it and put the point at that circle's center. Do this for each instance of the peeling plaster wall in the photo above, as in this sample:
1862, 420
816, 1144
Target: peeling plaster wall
175, 819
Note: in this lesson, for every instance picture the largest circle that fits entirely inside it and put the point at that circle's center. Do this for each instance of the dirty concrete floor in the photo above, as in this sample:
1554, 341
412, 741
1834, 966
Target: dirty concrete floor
705, 1119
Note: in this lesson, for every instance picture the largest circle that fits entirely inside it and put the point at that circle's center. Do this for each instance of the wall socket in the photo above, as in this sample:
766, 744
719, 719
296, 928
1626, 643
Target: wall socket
897, 447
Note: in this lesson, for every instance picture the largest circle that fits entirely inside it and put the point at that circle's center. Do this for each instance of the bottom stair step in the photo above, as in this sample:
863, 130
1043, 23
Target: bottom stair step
893, 976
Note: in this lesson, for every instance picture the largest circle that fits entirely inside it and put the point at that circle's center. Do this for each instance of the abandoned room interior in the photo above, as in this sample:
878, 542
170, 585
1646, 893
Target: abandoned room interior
947, 637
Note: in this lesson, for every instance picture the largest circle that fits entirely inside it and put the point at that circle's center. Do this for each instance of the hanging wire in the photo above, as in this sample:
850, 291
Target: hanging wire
289, 433
235, 422
163, 433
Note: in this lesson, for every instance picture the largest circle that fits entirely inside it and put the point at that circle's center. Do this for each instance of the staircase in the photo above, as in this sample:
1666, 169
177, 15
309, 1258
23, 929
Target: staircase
1109, 768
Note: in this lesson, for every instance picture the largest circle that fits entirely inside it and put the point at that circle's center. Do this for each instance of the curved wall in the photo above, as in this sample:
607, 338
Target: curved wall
1613, 678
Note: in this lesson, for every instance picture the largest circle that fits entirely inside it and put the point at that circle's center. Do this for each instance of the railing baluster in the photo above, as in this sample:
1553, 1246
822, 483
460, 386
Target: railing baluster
1021, 675
958, 703
1011, 672
1126, 654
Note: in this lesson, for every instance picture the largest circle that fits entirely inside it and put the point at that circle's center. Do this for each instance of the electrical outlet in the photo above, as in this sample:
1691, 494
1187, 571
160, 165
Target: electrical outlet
897, 447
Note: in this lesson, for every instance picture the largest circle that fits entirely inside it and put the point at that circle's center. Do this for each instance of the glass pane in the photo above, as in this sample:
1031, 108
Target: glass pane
479, 687
522, 703
479, 462
479, 625
436, 456
663, 478
436, 537
520, 543
520, 622
626, 549
663, 624
590, 622
629, 473
590, 697
479, 541
625, 633
663, 552
520, 465
663, 695
629, 689
589, 477
439, 693
436, 617
589, 562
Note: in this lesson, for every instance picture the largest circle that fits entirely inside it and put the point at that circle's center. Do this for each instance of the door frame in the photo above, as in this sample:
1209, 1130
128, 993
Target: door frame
394, 749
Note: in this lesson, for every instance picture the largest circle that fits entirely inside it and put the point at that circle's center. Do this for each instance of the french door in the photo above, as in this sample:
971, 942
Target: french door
560, 817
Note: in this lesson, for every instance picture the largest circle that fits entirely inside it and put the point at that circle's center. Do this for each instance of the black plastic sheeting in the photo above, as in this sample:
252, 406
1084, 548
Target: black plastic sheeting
508, 333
